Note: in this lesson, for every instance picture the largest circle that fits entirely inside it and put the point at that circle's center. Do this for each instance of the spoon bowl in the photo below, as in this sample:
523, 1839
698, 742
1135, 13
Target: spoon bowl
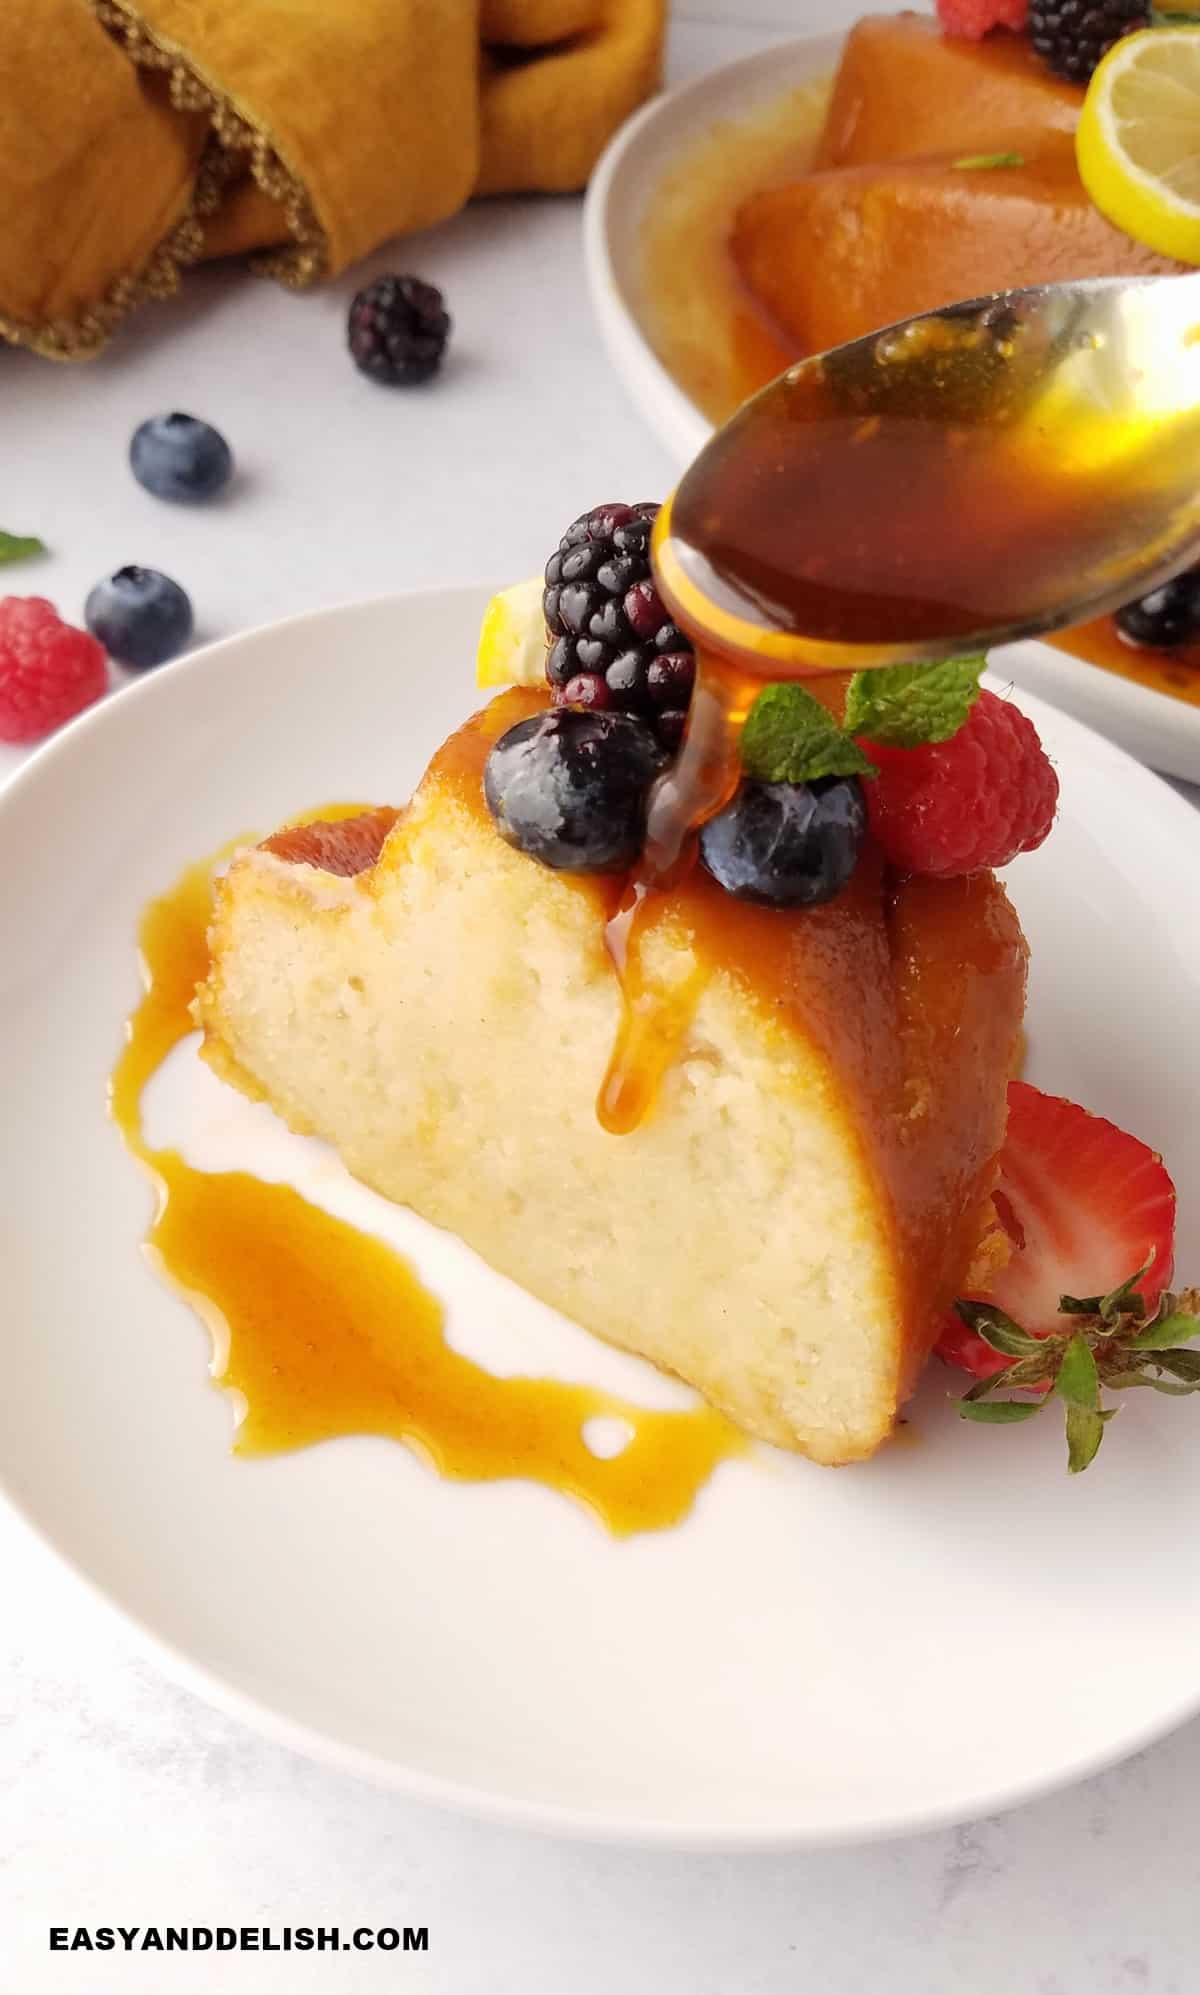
993, 470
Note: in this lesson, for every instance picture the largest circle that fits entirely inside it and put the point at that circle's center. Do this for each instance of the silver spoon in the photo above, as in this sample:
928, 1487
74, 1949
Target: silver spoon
990, 471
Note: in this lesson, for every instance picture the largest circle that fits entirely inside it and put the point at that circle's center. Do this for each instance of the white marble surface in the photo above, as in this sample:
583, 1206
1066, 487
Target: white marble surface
123, 1798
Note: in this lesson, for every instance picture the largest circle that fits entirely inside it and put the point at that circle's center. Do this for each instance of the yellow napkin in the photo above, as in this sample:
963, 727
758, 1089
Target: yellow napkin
136, 139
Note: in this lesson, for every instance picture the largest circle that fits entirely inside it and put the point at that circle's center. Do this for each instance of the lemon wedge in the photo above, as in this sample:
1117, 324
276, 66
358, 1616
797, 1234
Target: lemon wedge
512, 638
1138, 142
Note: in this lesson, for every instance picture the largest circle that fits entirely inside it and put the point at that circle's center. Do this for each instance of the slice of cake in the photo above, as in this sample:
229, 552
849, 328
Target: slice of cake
787, 1226
945, 170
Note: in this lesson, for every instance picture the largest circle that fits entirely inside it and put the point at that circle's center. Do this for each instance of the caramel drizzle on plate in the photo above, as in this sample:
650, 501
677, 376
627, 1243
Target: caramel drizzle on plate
325, 1331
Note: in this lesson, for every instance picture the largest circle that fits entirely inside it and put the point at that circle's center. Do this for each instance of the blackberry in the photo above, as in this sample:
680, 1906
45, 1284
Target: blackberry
613, 646
397, 330
1072, 35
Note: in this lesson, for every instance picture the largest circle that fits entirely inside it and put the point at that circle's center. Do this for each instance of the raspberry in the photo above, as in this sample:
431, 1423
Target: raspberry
961, 805
48, 669
973, 18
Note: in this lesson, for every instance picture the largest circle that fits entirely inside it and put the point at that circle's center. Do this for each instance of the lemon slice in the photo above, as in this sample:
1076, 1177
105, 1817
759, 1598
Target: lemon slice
1138, 142
512, 638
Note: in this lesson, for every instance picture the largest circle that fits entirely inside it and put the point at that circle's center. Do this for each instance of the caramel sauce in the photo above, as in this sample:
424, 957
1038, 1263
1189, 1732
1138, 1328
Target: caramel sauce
701, 781
326, 1331
1175, 670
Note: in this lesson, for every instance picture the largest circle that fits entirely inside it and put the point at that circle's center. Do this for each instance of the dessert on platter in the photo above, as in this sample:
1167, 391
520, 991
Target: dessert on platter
791, 1171
943, 162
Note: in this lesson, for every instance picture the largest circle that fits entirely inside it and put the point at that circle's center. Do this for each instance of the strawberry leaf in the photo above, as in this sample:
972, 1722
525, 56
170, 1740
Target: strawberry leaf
1166, 1330
997, 1329
998, 1412
1085, 1431
1078, 1380
1118, 1302
1180, 1364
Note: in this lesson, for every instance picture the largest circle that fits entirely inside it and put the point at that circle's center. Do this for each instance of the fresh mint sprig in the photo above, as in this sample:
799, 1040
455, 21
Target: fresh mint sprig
904, 706
789, 737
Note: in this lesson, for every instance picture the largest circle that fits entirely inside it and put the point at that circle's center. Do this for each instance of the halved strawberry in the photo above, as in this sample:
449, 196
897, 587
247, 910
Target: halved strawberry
1084, 1205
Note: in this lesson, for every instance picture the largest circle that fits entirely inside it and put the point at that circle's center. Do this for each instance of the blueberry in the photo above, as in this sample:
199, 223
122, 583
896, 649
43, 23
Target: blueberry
787, 844
570, 787
180, 457
1170, 615
141, 618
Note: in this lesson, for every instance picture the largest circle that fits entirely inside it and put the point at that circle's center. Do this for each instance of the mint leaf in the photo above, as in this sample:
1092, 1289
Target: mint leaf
19, 546
789, 737
971, 160
903, 706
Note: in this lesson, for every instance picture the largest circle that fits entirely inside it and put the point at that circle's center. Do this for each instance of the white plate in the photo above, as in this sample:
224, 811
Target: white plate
1157, 729
814, 1656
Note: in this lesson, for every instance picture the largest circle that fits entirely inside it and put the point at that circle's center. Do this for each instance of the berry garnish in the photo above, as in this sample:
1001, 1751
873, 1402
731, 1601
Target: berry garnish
971, 802
569, 787
605, 619
1168, 615
180, 457
1072, 35
973, 19
786, 844
49, 671
141, 618
397, 330
1083, 1205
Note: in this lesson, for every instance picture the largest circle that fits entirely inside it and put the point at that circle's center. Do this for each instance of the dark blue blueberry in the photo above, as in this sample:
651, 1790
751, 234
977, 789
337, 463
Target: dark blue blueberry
1170, 615
180, 457
141, 618
570, 787
787, 844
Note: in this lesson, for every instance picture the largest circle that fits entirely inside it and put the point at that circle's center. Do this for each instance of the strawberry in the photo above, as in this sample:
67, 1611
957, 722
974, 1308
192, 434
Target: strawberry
1082, 1301
1083, 1204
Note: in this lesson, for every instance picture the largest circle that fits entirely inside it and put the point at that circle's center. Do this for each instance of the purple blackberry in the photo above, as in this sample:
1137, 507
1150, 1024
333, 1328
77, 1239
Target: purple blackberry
613, 646
1169, 615
1072, 35
397, 330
